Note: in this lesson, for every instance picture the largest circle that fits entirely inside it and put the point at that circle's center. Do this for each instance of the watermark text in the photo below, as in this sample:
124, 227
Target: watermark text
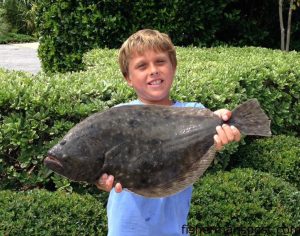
205, 230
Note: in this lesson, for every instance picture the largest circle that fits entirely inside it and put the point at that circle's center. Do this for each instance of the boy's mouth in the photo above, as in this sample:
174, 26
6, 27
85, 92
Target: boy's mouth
156, 82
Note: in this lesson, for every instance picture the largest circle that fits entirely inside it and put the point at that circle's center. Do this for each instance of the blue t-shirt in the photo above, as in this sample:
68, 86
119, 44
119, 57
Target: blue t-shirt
130, 214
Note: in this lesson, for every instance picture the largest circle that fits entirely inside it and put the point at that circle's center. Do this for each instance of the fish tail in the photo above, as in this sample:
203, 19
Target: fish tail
250, 119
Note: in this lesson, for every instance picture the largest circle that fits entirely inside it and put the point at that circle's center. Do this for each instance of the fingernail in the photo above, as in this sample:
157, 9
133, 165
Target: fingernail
232, 127
225, 117
224, 125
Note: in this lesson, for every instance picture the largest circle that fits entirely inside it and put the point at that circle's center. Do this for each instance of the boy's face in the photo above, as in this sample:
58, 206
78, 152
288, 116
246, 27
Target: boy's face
151, 75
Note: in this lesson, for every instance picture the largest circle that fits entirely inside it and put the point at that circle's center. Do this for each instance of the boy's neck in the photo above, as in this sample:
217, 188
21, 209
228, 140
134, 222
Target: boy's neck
163, 103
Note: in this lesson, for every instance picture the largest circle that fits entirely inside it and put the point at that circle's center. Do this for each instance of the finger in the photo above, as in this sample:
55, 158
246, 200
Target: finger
228, 132
103, 179
218, 143
237, 134
109, 183
118, 188
100, 183
226, 115
222, 135
219, 113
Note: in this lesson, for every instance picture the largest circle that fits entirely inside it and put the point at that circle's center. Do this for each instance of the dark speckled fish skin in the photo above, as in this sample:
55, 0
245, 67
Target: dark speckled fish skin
154, 151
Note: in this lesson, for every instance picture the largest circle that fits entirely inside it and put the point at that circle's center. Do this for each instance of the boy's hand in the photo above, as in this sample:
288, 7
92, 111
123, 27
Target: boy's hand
225, 134
105, 182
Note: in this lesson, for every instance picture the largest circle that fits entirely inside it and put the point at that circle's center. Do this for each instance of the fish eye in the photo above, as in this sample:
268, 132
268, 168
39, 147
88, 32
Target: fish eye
63, 142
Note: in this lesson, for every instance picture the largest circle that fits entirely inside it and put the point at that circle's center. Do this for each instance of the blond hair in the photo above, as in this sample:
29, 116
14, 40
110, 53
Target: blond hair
143, 40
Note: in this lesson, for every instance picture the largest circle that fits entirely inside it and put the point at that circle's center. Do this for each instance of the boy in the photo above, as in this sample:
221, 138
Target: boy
148, 63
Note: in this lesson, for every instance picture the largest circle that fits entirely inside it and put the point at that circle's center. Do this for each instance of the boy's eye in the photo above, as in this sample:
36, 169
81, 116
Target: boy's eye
140, 66
160, 61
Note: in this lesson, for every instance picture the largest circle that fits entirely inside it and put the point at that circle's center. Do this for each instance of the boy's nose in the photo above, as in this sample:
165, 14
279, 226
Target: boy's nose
154, 74
153, 71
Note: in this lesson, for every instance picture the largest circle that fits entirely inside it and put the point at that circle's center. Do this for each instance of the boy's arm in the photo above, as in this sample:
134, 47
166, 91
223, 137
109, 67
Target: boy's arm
225, 134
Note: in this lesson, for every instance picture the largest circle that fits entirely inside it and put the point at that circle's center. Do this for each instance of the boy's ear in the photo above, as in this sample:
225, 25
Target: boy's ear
128, 80
174, 68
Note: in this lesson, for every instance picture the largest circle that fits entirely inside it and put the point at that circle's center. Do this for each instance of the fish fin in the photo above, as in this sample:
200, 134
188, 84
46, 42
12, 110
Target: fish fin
250, 119
198, 133
182, 181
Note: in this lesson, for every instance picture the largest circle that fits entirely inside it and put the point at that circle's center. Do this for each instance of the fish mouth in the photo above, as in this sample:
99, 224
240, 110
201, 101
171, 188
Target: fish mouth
53, 163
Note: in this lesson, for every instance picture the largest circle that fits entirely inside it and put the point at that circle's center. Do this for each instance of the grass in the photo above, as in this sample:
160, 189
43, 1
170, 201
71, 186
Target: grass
16, 38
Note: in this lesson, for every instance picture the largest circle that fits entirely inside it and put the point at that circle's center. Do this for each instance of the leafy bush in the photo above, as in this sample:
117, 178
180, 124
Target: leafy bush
36, 111
68, 29
279, 155
5, 27
245, 200
256, 23
20, 14
242, 201
227, 76
40, 212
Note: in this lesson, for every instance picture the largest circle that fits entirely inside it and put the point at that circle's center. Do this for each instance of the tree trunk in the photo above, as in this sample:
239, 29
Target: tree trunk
282, 33
288, 33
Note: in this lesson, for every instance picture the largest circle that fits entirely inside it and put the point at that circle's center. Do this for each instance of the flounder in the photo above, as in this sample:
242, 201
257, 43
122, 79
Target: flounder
152, 150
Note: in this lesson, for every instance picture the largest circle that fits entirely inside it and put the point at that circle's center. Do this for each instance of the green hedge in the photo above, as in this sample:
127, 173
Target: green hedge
242, 200
70, 28
41, 212
279, 155
36, 111
226, 76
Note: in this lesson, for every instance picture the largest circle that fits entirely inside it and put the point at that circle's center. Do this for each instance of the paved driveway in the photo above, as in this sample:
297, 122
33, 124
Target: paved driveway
20, 57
